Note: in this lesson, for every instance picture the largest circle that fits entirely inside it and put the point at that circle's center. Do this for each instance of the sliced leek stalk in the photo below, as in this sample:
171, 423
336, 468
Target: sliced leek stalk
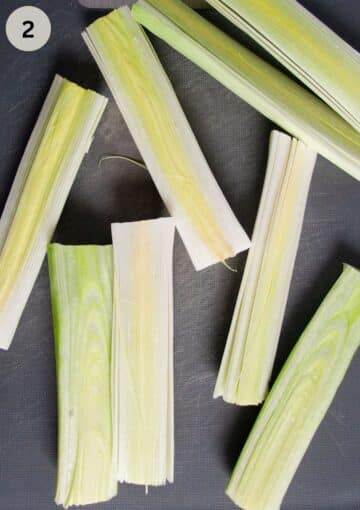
142, 370
251, 346
81, 281
143, 92
58, 144
299, 399
306, 46
267, 89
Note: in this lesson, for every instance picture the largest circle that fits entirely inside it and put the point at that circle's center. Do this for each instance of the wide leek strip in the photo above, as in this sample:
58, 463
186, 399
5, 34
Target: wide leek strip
255, 329
277, 96
306, 46
142, 376
60, 139
142, 90
81, 280
299, 399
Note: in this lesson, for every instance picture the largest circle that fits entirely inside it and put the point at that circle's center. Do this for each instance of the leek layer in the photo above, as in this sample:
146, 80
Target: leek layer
307, 47
253, 338
268, 90
299, 399
81, 279
60, 140
158, 125
143, 351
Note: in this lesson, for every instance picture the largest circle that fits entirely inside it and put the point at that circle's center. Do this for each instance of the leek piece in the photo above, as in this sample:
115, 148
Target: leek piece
60, 139
143, 417
265, 88
306, 46
208, 227
81, 280
299, 399
254, 334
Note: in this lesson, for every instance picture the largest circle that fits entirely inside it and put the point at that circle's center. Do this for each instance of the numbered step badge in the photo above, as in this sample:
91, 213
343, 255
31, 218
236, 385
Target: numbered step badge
28, 28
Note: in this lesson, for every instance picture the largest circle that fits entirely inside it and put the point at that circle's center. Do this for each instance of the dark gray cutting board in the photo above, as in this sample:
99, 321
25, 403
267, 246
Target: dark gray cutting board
209, 433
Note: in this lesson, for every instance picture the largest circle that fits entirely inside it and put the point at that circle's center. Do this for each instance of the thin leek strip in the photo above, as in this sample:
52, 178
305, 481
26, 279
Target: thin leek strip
254, 334
299, 399
61, 138
265, 88
81, 280
142, 377
208, 227
306, 46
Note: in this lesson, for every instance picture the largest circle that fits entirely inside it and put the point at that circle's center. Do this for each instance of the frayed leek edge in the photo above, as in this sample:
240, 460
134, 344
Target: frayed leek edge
61, 138
299, 399
145, 97
252, 342
270, 91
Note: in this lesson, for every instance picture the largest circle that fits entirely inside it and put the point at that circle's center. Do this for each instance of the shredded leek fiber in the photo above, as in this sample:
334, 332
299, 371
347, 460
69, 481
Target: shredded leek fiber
299, 399
142, 90
281, 99
61, 138
143, 409
308, 48
253, 338
81, 279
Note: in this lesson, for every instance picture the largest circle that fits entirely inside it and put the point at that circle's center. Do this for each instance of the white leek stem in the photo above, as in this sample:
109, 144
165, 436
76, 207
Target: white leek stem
58, 144
145, 97
255, 329
143, 410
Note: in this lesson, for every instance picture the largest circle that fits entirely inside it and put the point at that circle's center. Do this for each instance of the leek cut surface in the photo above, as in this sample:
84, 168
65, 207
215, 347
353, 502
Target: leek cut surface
308, 48
142, 375
253, 338
81, 279
60, 139
267, 89
299, 399
142, 90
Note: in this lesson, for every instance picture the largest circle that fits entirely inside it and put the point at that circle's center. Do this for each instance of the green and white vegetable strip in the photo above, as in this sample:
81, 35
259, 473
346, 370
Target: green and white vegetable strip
299, 399
254, 334
143, 92
61, 138
268, 90
143, 351
303, 44
81, 279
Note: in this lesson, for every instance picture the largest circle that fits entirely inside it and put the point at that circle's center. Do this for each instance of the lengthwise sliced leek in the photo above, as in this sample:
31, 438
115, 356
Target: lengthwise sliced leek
254, 334
299, 399
307, 47
265, 88
81, 280
61, 138
208, 227
143, 351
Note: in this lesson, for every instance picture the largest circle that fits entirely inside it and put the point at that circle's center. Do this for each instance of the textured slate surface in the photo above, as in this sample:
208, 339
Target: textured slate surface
209, 434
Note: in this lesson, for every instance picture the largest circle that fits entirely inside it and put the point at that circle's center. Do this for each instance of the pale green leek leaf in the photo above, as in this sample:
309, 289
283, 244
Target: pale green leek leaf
81, 280
274, 94
299, 399
143, 417
255, 329
60, 140
306, 46
143, 92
